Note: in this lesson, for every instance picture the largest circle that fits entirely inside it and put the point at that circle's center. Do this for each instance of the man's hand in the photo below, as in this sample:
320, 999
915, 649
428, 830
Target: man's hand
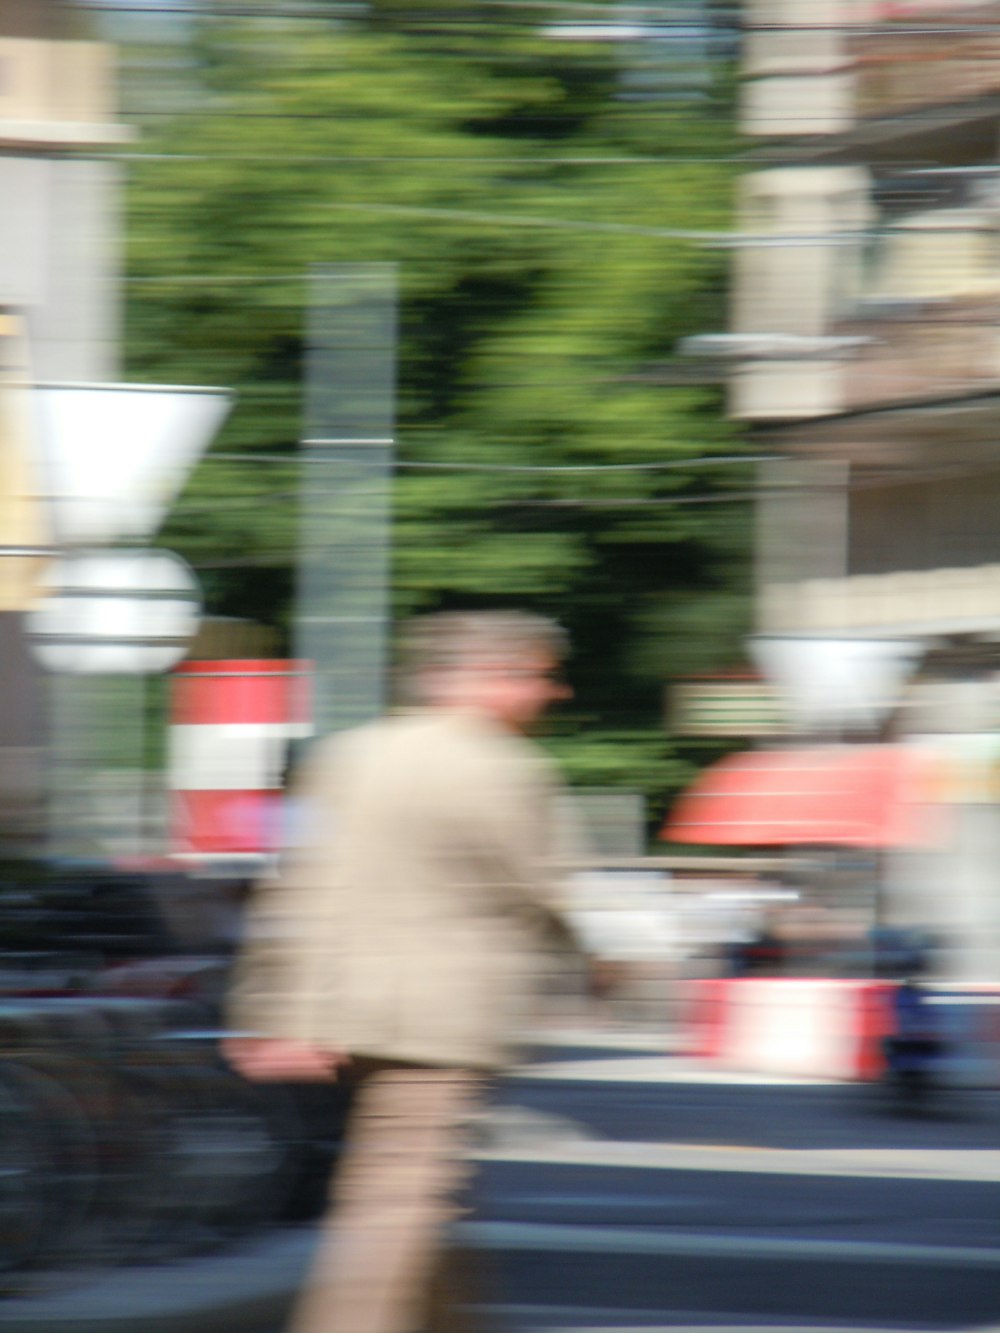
604, 976
280, 1060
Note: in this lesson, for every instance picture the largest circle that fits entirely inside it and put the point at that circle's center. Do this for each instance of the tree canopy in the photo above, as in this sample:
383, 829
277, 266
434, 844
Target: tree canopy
551, 236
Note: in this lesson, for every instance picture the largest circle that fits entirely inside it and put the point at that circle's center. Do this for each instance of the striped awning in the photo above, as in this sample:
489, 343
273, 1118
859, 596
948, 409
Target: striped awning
827, 796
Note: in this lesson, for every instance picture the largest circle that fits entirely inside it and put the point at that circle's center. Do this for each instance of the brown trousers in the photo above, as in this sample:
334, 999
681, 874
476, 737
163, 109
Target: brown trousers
381, 1265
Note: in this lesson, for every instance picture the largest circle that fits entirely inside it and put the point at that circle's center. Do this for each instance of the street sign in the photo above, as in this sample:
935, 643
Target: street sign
124, 612
115, 456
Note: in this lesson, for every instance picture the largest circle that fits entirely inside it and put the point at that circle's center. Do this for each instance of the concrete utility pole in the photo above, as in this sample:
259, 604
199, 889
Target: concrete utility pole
347, 456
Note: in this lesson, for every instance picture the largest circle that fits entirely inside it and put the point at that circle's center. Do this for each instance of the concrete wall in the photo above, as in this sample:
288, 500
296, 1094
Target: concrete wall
36, 18
59, 265
75, 327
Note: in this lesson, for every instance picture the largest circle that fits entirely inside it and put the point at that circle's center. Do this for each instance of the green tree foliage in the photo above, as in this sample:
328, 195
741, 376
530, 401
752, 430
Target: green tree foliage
541, 223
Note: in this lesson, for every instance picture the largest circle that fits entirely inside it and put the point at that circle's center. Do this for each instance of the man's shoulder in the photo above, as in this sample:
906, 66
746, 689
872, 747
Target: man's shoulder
393, 731
436, 737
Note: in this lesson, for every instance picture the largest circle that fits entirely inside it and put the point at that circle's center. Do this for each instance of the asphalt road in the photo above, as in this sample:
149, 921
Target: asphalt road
620, 1193
742, 1245
708, 1203
631, 1105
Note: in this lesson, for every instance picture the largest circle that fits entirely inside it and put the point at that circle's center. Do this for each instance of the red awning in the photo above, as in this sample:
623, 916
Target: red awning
834, 796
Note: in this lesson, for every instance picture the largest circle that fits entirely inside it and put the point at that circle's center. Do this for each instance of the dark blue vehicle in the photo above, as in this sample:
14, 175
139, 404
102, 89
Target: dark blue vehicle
914, 1047
125, 1137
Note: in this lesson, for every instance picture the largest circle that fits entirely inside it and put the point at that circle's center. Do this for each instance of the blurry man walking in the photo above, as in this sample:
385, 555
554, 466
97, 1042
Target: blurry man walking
399, 949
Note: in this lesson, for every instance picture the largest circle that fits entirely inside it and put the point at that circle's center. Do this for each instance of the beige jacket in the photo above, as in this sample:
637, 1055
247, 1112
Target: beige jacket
410, 926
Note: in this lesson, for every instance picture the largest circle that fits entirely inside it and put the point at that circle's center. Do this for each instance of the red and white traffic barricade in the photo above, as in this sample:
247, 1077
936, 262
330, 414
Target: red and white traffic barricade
823, 1027
804, 1027
232, 723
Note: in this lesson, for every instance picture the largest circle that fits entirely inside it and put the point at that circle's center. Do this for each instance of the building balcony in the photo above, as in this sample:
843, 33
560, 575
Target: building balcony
883, 353
934, 601
56, 95
909, 351
924, 56
871, 71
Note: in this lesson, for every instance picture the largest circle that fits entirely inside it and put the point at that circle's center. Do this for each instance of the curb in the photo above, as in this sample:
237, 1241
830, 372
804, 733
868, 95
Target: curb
217, 1293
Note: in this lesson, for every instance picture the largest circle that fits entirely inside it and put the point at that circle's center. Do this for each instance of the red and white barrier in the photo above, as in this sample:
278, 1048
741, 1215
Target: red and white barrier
820, 1027
231, 725
807, 1027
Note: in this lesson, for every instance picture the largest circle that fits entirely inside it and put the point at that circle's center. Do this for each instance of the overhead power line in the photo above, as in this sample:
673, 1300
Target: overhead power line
725, 460
312, 8
519, 220
474, 159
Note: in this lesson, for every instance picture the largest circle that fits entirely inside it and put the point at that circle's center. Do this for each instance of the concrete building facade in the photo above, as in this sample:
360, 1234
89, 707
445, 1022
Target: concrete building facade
865, 354
59, 216
59, 306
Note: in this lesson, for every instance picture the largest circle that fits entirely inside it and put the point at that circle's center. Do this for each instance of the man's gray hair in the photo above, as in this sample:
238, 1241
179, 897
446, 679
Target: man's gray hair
455, 639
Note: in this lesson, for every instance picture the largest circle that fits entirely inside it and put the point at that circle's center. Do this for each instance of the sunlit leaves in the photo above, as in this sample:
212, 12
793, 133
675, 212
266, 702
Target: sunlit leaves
545, 233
